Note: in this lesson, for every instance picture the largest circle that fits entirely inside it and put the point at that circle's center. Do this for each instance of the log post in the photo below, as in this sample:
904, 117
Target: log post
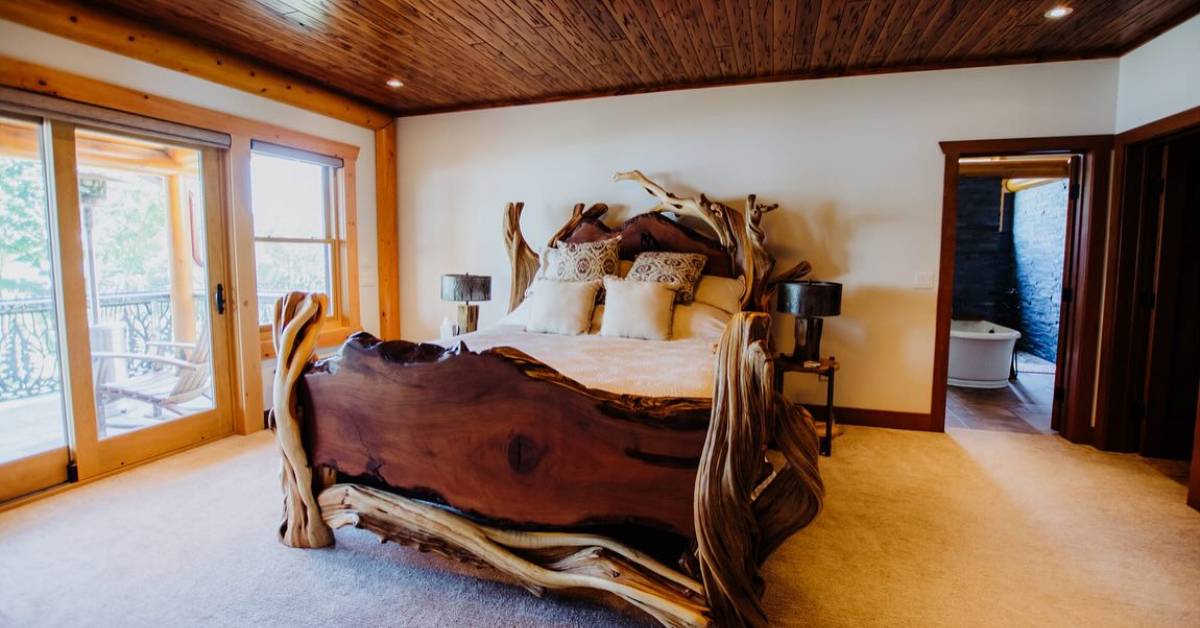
295, 326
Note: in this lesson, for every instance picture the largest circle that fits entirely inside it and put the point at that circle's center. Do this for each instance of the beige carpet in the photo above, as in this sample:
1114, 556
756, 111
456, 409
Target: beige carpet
970, 528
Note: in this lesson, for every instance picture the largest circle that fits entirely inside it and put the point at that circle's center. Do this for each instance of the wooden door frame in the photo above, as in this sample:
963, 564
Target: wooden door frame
1112, 426
93, 453
1091, 220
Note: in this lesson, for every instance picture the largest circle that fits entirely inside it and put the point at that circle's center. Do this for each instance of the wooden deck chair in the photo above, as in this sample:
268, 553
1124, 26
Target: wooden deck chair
172, 380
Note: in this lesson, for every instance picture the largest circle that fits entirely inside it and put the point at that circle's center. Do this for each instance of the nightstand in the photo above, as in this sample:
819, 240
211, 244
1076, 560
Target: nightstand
825, 369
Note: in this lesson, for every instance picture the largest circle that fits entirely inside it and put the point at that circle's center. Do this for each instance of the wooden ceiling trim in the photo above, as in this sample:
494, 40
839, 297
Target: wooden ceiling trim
103, 30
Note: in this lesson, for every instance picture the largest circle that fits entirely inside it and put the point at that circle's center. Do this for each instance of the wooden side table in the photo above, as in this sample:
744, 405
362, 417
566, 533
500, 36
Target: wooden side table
826, 368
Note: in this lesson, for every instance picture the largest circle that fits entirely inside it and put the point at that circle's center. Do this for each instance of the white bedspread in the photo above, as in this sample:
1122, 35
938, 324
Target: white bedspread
673, 368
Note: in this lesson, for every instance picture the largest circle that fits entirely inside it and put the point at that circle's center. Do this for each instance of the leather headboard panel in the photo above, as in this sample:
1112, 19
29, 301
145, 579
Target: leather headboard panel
655, 232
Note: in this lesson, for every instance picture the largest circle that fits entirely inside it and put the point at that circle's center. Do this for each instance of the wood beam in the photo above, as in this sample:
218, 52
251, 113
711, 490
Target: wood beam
101, 29
386, 231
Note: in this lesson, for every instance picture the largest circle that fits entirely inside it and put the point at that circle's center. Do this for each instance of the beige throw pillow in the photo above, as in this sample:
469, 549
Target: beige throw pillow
680, 271
637, 309
583, 261
561, 307
721, 292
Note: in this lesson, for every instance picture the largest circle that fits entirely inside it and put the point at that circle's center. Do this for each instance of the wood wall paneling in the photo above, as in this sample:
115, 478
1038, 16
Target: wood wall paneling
457, 54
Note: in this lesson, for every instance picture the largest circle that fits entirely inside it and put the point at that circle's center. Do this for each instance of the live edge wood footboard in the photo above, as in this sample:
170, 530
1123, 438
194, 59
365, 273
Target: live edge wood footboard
670, 505
498, 460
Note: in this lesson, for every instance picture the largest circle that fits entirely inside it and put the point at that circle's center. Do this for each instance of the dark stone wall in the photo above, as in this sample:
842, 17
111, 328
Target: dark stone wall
1039, 238
984, 287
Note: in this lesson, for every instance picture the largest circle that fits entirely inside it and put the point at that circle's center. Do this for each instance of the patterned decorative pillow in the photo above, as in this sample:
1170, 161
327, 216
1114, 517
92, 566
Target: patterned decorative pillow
680, 271
583, 261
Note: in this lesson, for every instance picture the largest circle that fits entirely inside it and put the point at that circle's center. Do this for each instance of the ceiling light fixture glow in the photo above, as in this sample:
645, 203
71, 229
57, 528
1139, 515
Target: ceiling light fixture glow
395, 83
1059, 12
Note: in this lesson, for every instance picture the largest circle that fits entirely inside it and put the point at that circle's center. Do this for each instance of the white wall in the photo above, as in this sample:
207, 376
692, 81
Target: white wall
42, 48
854, 163
1160, 78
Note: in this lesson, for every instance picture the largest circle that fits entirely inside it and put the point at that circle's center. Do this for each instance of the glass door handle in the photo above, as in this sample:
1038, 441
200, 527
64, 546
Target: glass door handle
220, 298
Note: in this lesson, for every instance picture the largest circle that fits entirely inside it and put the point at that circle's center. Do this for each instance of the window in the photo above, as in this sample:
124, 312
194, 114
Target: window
300, 235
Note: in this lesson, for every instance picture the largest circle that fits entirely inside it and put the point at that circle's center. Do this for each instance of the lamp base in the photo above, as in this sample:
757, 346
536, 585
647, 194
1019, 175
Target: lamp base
468, 318
808, 339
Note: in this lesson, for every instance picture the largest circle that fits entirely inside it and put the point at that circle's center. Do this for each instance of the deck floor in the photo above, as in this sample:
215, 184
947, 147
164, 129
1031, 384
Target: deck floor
33, 425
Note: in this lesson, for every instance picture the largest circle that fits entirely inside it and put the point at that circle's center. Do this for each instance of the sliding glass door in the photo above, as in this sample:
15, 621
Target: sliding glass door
33, 419
112, 301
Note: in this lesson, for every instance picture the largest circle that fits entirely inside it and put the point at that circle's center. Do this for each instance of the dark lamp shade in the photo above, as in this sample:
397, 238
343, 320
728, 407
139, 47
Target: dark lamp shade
466, 288
810, 298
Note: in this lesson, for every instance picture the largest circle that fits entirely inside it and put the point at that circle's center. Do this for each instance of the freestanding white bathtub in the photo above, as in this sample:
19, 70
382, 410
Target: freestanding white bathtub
980, 354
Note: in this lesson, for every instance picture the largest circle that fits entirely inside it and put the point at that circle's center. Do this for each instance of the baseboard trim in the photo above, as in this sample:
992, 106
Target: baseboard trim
919, 421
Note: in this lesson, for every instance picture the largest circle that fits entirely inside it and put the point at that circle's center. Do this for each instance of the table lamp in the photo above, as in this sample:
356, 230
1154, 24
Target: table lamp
808, 301
466, 288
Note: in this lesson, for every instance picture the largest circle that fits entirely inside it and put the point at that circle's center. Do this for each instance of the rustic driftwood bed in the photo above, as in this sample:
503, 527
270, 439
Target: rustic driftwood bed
668, 504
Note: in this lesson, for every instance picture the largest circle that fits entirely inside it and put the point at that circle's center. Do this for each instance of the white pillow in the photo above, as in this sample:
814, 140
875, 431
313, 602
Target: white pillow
699, 321
561, 307
519, 317
637, 309
721, 292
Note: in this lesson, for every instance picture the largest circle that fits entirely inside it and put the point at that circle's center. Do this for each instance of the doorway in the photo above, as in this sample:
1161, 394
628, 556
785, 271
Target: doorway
1070, 173
1149, 402
1011, 238
114, 344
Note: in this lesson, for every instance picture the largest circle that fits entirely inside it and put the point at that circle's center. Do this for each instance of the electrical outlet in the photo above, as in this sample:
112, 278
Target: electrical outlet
923, 281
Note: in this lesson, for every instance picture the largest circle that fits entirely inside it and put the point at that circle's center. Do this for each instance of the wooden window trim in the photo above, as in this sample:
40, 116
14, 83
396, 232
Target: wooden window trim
343, 217
235, 161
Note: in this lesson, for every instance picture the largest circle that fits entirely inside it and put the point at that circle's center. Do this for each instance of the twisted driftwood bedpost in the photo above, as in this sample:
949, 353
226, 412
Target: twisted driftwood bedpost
295, 328
741, 518
524, 260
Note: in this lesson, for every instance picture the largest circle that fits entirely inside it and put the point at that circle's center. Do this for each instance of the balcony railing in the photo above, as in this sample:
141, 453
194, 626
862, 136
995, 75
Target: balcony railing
29, 336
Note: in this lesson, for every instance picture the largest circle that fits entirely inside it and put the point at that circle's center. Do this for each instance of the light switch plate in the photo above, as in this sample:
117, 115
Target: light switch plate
923, 281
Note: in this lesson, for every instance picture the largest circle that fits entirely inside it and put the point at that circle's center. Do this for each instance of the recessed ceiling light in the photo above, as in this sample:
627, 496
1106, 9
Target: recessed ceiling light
395, 83
1059, 12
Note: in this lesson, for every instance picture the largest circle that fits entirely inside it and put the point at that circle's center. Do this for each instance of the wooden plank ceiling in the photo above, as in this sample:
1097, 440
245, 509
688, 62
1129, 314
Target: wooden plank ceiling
461, 54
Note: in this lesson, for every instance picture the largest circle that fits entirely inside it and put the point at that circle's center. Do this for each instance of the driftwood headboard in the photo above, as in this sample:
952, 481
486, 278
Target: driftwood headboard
736, 248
